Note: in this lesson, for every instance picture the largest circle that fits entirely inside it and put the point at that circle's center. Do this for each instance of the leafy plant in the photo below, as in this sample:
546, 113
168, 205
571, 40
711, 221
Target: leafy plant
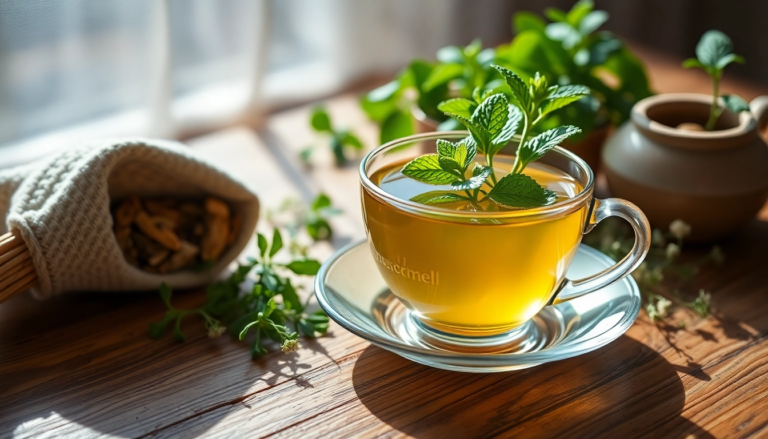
713, 53
320, 121
571, 50
662, 269
424, 84
294, 216
271, 309
492, 121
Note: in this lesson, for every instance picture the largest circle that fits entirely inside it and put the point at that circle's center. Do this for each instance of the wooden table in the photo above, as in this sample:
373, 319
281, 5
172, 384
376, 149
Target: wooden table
82, 365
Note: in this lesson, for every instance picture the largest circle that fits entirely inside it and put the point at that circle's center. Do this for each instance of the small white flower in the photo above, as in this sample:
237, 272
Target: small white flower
662, 307
216, 331
705, 297
289, 345
679, 229
673, 251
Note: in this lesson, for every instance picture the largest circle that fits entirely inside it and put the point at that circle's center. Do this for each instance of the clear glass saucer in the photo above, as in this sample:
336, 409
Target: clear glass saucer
350, 289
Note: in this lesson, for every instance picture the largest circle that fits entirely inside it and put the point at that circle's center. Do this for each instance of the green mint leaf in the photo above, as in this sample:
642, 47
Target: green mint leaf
520, 190
437, 197
384, 92
556, 14
536, 147
449, 164
277, 243
735, 103
262, 241
442, 74
568, 36
579, 12
479, 175
349, 139
591, 22
397, 125
450, 54
307, 267
319, 229
427, 170
713, 47
560, 96
693, 63
320, 120
727, 59
518, 86
492, 114
524, 21
458, 152
480, 136
290, 297
156, 329
510, 128
165, 293
462, 107
320, 202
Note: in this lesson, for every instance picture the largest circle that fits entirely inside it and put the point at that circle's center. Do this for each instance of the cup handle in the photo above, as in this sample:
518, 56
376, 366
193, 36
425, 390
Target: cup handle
602, 209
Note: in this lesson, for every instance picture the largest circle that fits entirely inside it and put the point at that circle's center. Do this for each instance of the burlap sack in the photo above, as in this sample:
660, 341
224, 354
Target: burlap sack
61, 207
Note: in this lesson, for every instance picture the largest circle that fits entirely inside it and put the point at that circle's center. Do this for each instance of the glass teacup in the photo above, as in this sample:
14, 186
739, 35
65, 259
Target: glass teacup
485, 273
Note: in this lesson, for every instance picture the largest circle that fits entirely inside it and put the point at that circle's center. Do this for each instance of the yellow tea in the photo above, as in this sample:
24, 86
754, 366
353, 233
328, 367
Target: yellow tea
465, 275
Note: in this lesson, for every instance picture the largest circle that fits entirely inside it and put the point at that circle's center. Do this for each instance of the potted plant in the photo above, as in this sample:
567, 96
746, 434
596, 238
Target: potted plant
569, 50
694, 157
409, 103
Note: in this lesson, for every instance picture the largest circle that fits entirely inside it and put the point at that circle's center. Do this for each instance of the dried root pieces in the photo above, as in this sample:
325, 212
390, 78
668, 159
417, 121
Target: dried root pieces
168, 235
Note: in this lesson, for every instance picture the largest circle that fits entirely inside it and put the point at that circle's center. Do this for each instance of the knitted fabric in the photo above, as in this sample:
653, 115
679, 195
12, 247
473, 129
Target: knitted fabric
61, 207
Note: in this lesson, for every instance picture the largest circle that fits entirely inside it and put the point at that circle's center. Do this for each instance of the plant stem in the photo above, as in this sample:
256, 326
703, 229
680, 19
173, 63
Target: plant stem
713, 113
518, 166
489, 158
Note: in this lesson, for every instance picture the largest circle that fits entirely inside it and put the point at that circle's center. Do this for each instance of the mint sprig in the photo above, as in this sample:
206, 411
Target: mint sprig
713, 53
492, 120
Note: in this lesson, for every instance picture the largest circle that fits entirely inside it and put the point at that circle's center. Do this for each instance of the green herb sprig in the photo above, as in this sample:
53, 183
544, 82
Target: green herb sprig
271, 309
492, 122
713, 53
294, 216
320, 121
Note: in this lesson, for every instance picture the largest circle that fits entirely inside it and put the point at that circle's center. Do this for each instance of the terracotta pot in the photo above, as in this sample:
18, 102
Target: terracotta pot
715, 181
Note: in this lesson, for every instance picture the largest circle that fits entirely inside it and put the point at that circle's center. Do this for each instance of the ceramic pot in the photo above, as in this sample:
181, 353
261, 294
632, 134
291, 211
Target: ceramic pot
715, 181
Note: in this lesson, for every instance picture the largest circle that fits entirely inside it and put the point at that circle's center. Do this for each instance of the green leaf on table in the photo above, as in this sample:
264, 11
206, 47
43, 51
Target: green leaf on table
321, 201
165, 293
520, 190
349, 139
560, 96
460, 106
437, 197
427, 169
479, 175
442, 74
536, 147
289, 294
320, 120
156, 329
307, 267
735, 103
399, 124
277, 243
319, 229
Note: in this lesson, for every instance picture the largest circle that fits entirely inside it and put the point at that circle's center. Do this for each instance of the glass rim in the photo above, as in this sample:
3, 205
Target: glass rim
563, 207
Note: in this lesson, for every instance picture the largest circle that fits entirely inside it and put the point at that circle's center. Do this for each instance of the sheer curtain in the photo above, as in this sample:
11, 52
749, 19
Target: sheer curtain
78, 69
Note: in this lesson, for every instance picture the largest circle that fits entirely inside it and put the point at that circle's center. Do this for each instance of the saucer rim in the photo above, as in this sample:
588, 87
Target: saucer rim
558, 352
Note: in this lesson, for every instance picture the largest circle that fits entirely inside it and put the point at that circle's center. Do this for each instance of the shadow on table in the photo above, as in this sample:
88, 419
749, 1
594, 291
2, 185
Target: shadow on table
625, 389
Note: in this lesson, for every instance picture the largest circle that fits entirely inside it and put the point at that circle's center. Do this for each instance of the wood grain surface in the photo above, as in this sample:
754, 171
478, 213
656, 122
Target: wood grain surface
83, 365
